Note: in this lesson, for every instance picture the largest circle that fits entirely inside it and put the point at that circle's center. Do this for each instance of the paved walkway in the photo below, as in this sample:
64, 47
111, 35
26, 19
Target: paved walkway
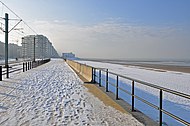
52, 94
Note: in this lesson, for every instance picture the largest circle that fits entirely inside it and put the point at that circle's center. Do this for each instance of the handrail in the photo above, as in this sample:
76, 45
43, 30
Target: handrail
161, 110
152, 85
21, 66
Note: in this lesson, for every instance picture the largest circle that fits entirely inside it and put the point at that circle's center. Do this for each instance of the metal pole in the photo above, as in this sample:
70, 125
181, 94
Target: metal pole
80, 69
34, 49
160, 108
107, 80
30, 64
133, 97
23, 67
0, 73
94, 75
26, 66
6, 43
100, 78
117, 80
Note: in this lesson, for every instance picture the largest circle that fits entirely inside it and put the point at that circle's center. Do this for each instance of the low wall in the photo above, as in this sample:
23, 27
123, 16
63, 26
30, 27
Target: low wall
83, 69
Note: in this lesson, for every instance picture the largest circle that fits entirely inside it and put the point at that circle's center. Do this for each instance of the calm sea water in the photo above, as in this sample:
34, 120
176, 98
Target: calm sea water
172, 63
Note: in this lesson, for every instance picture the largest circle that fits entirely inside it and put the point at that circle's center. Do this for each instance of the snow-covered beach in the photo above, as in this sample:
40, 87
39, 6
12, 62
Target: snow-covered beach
52, 94
178, 81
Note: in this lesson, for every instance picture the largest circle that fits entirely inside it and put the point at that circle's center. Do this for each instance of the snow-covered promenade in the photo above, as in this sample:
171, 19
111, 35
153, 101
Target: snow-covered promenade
52, 94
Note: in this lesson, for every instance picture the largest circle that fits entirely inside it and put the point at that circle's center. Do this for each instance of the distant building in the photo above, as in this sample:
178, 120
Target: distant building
14, 51
68, 55
42, 46
2, 50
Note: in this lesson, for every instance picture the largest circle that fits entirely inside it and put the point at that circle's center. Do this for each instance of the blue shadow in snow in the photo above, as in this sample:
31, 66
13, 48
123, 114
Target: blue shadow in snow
174, 108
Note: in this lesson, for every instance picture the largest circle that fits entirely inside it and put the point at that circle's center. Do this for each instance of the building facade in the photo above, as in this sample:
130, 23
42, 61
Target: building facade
14, 51
37, 46
2, 50
68, 55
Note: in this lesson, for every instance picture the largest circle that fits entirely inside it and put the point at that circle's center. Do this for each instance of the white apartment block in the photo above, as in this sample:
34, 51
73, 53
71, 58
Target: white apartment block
43, 47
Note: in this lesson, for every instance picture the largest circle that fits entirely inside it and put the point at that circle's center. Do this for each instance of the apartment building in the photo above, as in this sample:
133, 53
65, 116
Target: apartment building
38, 44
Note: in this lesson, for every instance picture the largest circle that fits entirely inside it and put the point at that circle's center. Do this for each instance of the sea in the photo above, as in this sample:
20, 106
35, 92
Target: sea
184, 63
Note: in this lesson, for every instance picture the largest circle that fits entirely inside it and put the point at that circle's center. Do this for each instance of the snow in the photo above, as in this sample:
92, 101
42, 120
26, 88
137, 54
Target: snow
173, 80
52, 94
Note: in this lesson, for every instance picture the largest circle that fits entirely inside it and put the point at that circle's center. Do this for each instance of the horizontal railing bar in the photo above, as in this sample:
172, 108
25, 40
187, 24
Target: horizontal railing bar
16, 64
147, 102
15, 70
175, 117
124, 90
165, 89
112, 84
103, 79
154, 86
141, 99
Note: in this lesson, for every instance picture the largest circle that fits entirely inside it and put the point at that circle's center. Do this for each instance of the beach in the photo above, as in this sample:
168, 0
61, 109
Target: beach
163, 68
157, 66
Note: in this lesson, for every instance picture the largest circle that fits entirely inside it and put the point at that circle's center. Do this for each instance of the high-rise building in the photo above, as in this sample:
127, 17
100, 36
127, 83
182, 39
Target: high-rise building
38, 44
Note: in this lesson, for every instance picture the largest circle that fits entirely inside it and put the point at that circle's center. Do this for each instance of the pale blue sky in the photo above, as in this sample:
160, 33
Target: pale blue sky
142, 29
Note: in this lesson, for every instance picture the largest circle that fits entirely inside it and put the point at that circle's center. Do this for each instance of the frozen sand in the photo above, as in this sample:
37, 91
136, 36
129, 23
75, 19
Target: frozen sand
52, 94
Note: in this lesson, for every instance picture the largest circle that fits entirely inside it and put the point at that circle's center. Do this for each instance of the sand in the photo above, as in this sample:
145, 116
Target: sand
163, 68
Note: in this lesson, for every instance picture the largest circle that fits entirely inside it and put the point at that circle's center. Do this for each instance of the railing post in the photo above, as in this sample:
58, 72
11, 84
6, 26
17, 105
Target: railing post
117, 80
160, 108
30, 65
100, 78
80, 69
94, 75
23, 67
26, 66
107, 80
0, 73
7, 71
133, 96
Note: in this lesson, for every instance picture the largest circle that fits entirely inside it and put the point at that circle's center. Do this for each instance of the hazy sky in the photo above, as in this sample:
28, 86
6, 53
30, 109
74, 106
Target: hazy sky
129, 29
